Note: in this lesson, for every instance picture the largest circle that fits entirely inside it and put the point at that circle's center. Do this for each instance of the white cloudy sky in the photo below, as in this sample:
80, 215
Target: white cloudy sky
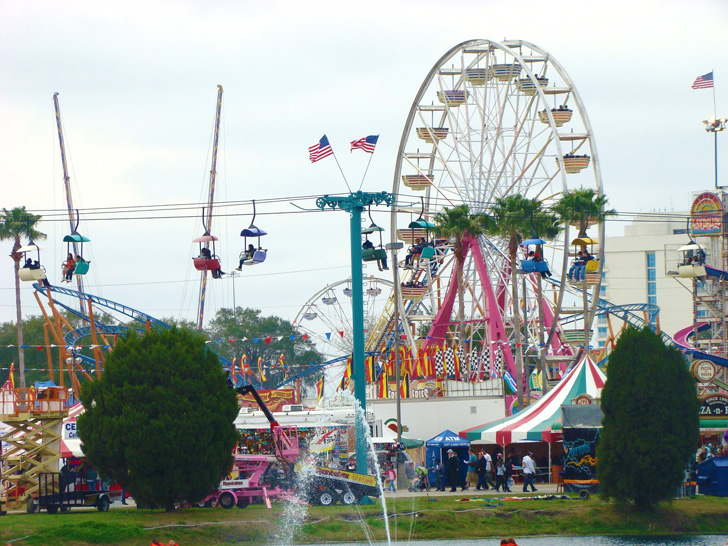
137, 83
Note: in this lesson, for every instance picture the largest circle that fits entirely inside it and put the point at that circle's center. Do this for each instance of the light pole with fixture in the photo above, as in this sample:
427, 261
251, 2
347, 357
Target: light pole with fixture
715, 126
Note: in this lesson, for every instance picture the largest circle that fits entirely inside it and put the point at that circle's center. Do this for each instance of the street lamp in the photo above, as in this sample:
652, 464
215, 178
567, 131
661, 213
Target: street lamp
393, 248
715, 126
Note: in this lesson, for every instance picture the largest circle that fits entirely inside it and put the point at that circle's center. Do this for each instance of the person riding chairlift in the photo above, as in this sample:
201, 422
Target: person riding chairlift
68, 267
249, 253
367, 244
206, 254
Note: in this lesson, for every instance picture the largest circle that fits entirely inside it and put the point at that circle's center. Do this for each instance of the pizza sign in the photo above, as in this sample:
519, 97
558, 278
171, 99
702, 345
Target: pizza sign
707, 214
703, 370
714, 405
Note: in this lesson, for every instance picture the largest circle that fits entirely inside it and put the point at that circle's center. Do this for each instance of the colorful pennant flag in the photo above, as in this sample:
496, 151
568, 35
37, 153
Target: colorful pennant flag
320, 389
404, 387
260, 369
10, 382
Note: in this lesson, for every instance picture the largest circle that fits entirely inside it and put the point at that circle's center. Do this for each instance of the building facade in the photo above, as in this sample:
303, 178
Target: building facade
637, 270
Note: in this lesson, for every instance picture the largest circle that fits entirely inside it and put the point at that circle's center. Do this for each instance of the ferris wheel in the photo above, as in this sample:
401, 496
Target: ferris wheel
326, 316
490, 120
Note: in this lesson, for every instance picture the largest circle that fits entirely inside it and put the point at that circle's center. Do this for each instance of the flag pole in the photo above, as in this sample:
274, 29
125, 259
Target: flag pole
715, 109
366, 170
340, 170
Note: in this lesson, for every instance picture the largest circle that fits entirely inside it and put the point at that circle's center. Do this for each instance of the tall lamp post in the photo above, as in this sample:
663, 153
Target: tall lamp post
393, 248
354, 204
715, 126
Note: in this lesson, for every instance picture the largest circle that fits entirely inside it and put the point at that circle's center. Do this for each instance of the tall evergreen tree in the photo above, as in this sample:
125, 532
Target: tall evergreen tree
650, 426
160, 420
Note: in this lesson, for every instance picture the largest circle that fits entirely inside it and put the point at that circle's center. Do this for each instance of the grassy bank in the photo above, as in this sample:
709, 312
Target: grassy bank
410, 519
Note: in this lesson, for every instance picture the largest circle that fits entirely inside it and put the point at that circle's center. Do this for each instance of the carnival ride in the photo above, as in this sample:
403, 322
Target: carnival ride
326, 316
704, 263
491, 119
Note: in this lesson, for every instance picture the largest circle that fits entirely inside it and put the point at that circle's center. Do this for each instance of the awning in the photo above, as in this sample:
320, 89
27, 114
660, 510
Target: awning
541, 421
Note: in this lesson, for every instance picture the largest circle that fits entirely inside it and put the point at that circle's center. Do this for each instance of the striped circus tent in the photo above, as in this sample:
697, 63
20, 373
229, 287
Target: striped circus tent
541, 420
70, 445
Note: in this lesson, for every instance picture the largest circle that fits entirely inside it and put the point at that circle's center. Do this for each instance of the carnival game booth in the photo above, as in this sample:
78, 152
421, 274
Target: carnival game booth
582, 428
540, 423
437, 447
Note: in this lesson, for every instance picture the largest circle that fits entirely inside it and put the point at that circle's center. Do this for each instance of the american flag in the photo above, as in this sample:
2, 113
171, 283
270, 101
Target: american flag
320, 150
367, 144
703, 82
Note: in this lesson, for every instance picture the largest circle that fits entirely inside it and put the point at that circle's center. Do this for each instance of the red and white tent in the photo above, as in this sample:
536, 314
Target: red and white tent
541, 421
70, 442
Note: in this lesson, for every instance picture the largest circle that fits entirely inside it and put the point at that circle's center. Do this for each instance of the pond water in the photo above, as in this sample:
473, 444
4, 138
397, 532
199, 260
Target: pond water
685, 540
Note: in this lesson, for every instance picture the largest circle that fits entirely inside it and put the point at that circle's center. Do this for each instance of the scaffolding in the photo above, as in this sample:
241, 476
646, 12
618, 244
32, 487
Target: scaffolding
35, 418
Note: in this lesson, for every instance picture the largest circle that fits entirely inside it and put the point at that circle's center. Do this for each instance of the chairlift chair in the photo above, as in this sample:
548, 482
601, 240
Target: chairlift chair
260, 253
31, 273
532, 266
376, 253
81, 266
689, 267
203, 262
592, 266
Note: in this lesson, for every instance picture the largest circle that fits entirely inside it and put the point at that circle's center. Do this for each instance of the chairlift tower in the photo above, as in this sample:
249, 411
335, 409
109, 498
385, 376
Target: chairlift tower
354, 204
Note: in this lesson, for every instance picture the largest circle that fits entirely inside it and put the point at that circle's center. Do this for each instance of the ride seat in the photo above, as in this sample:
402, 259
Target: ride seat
258, 258
592, 265
27, 274
203, 264
427, 253
531, 266
81, 268
372, 254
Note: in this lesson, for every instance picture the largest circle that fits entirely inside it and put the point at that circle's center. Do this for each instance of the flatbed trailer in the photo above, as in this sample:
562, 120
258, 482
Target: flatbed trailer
54, 495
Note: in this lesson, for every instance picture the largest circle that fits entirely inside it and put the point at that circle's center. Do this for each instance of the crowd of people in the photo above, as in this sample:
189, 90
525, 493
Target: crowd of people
484, 472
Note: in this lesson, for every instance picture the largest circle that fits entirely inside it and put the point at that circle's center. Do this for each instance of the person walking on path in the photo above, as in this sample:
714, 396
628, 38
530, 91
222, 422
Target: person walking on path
500, 474
392, 477
472, 475
453, 471
481, 469
489, 470
529, 471
439, 475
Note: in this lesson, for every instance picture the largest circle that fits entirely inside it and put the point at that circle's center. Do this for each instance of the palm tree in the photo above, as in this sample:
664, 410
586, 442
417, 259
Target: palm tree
515, 216
15, 224
455, 224
581, 208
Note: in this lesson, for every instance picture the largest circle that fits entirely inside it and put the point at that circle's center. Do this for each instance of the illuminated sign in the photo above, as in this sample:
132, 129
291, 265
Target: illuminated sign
707, 214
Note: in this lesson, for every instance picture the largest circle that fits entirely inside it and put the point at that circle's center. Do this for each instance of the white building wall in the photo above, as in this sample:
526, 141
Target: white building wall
626, 278
428, 417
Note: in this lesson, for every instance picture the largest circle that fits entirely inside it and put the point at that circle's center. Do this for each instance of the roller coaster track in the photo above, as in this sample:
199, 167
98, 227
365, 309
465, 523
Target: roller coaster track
73, 336
626, 312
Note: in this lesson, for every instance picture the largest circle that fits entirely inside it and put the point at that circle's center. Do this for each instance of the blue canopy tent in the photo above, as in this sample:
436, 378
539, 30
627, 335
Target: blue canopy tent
436, 448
